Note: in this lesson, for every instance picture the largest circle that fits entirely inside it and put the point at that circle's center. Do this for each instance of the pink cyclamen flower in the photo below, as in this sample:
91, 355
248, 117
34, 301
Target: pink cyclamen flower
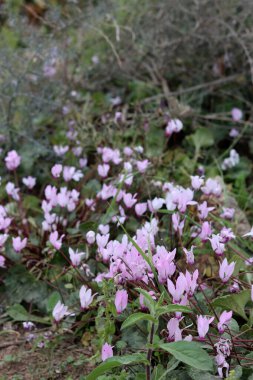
104, 229
118, 117
102, 240
51, 195
107, 352
226, 270
103, 170
196, 182
203, 323
2, 261
157, 203
129, 199
174, 332
55, 240
178, 290
83, 162
204, 210
189, 255
236, 114
182, 198
30, 182
60, 150
142, 165
212, 187
28, 326
173, 126
68, 173
19, 244
140, 208
249, 233
227, 213
163, 261
12, 191
59, 312
191, 282
56, 170
217, 246
121, 300
226, 234
234, 288
86, 297
12, 160
234, 132
75, 257
224, 319
91, 237
128, 151
205, 232
177, 225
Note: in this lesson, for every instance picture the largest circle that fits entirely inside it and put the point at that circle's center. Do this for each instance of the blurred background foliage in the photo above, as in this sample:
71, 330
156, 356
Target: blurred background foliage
73, 64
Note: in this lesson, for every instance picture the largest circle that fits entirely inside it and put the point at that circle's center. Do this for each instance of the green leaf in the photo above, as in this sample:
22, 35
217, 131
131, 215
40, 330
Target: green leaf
18, 313
87, 226
135, 318
155, 141
30, 202
116, 361
202, 138
149, 302
21, 285
235, 302
172, 309
189, 353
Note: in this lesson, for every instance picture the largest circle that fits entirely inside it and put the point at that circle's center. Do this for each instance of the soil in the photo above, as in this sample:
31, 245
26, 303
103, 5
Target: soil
22, 360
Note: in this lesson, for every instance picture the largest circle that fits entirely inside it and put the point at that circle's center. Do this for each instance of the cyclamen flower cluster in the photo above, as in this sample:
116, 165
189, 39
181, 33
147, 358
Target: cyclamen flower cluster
65, 198
145, 258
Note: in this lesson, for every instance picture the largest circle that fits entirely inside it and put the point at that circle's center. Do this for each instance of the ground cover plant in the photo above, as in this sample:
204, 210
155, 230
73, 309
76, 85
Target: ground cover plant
157, 269
126, 198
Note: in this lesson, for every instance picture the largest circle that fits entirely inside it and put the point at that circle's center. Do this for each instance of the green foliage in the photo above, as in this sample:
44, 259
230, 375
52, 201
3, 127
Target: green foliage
116, 361
135, 318
235, 302
189, 353
23, 286
19, 314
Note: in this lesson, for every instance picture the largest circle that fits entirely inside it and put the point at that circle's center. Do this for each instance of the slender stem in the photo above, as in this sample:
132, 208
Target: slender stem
149, 355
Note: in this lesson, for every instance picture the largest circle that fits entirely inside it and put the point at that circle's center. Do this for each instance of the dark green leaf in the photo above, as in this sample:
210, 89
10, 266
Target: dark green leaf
235, 302
135, 318
18, 313
172, 309
189, 353
116, 361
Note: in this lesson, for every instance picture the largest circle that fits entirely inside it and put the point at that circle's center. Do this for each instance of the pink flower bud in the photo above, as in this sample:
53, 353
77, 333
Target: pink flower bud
91, 237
